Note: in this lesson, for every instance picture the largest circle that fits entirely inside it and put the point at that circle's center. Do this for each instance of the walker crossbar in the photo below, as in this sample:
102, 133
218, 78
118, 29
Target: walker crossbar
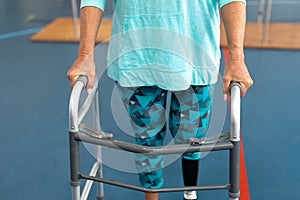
81, 133
154, 190
153, 150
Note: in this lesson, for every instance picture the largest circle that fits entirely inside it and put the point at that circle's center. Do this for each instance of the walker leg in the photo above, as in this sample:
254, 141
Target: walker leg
234, 177
234, 191
74, 163
100, 190
75, 192
96, 122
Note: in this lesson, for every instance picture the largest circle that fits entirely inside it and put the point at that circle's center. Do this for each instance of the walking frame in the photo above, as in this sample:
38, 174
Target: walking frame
82, 133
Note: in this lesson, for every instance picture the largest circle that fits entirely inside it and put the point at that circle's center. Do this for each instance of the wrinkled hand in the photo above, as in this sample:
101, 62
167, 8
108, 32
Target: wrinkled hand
83, 65
236, 71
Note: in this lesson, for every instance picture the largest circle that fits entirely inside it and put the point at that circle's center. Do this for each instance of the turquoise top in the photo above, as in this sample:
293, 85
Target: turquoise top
169, 43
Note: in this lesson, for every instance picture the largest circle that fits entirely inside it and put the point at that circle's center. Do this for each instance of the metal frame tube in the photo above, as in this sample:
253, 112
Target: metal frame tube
73, 129
88, 185
234, 156
260, 12
76, 193
234, 177
74, 103
75, 18
153, 150
154, 190
100, 187
74, 166
235, 109
87, 104
267, 21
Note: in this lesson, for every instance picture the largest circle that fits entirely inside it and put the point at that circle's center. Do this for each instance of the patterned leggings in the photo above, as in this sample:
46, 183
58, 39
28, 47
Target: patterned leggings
189, 117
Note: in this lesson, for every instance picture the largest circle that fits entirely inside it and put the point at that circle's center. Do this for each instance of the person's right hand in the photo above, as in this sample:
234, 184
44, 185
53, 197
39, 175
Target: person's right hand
83, 65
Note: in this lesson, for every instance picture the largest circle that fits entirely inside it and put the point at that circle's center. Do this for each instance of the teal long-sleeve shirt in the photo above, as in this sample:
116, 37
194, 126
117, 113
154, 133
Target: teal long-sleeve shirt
169, 43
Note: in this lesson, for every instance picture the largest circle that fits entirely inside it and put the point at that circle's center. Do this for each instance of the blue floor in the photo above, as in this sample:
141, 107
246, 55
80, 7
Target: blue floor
34, 154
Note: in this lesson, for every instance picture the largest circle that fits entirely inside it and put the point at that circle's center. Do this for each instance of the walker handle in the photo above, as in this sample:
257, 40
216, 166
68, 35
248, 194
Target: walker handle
76, 115
83, 79
233, 83
235, 111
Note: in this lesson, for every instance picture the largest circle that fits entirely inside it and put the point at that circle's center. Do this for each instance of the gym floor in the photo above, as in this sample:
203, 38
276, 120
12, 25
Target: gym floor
34, 151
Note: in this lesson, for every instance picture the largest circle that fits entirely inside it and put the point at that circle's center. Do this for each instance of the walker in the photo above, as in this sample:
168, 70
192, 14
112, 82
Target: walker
79, 132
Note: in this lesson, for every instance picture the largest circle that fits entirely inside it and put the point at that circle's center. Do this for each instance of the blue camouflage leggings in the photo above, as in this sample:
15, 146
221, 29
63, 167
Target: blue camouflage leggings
189, 117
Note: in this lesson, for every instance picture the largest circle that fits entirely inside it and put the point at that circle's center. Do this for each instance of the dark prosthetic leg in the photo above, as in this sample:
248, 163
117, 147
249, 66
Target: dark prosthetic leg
190, 175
